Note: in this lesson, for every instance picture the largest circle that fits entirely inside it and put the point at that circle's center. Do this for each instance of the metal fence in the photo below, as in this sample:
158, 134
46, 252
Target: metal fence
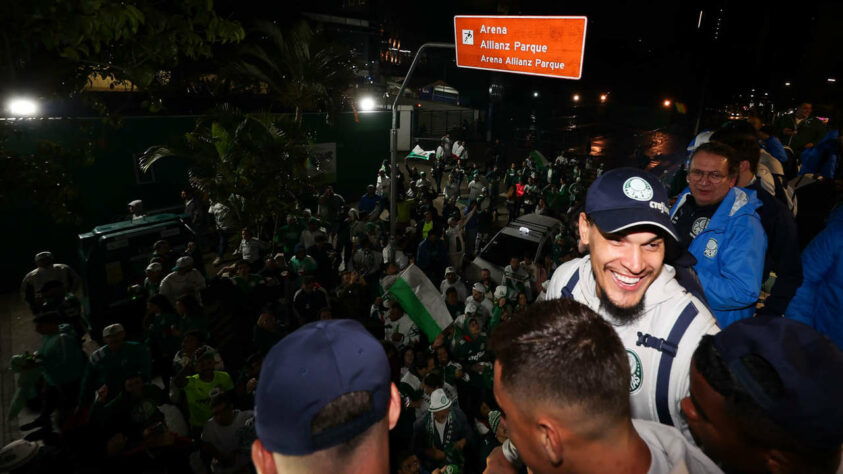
437, 122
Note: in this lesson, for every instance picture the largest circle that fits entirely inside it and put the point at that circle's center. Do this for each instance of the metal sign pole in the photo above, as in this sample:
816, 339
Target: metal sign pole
393, 146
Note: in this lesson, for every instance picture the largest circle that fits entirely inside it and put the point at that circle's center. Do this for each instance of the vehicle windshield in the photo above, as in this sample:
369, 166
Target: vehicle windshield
505, 246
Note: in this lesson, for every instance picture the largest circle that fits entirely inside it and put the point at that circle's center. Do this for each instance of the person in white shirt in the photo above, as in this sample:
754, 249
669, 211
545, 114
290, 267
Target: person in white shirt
44, 272
398, 328
251, 249
452, 280
382, 185
561, 379
183, 280
627, 229
228, 435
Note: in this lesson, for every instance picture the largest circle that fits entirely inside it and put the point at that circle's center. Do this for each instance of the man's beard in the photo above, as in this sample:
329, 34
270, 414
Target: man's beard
622, 315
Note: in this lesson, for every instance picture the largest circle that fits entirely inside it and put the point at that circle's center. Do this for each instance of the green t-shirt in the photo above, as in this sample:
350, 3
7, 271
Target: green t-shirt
198, 395
61, 358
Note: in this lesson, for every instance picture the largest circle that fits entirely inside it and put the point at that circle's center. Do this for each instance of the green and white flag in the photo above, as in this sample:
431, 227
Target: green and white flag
539, 159
420, 154
421, 301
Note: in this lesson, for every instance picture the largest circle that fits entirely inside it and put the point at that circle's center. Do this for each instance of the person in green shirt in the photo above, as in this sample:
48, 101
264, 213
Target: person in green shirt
133, 412
245, 280
197, 388
289, 234
62, 363
192, 315
502, 309
302, 264
470, 351
452, 372
495, 437
109, 365
164, 330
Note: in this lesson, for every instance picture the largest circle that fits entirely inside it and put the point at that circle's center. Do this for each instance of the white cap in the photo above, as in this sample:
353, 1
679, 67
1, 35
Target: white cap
113, 330
702, 137
501, 292
449, 270
43, 255
479, 287
17, 454
438, 401
154, 267
471, 308
183, 263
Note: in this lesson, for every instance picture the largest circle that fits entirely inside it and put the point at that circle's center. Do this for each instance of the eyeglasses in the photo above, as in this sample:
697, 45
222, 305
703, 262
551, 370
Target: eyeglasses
715, 177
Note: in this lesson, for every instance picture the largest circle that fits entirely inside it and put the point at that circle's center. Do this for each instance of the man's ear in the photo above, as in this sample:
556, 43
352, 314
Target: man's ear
394, 409
744, 166
550, 441
262, 459
777, 461
688, 408
584, 228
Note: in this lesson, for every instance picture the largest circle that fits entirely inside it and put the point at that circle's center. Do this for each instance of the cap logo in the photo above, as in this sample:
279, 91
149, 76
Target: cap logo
635, 371
638, 189
444, 400
710, 248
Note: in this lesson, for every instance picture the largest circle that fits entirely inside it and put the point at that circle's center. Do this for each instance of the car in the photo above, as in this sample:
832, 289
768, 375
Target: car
530, 234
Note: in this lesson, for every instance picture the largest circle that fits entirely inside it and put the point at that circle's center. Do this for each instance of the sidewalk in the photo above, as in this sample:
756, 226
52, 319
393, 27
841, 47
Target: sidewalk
17, 335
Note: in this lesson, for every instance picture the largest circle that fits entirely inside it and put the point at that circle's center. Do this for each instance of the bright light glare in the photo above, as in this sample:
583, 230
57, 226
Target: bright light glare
603, 97
535, 94
787, 84
831, 79
367, 103
667, 103
576, 97
22, 107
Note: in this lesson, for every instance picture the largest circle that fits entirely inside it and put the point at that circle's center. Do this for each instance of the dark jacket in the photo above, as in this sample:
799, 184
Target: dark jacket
782, 255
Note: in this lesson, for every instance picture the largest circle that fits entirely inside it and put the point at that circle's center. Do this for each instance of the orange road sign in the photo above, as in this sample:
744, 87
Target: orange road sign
551, 46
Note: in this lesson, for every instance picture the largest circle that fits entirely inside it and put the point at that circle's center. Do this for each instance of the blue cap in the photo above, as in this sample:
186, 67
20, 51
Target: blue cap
810, 367
308, 369
627, 197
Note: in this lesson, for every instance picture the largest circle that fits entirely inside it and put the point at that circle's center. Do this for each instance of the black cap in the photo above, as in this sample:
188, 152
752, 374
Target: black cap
627, 197
810, 367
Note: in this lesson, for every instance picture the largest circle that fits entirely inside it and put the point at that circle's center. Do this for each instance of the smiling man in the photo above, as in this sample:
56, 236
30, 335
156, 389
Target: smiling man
624, 279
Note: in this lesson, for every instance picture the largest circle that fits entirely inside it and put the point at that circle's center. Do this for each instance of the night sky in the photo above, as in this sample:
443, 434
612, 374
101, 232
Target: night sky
644, 50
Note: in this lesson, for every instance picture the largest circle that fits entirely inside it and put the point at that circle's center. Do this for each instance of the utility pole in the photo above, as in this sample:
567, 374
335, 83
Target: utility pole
393, 146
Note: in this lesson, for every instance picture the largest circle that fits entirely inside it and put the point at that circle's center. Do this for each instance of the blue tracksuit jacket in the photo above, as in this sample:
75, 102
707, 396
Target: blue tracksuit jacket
730, 255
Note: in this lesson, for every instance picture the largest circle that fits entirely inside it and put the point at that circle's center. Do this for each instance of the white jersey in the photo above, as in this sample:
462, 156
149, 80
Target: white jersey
670, 453
668, 309
458, 285
405, 327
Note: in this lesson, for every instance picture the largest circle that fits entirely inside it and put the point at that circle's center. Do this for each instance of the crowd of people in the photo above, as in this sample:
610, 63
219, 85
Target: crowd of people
660, 331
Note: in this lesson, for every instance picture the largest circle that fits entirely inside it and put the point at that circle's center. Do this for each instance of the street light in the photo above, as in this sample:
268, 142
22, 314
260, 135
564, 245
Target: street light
367, 104
603, 97
666, 103
22, 107
576, 97
535, 93
787, 84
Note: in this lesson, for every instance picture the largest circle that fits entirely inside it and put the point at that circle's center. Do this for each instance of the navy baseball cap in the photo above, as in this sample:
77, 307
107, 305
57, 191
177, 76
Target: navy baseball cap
627, 197
810, 367
308, 369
